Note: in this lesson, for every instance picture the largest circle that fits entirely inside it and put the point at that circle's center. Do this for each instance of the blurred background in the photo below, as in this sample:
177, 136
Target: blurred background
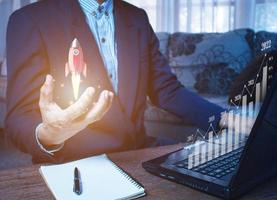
184, 15
210, 15
208, 35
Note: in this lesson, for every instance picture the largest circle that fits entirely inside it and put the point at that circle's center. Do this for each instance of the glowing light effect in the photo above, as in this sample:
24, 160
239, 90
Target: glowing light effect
75, 80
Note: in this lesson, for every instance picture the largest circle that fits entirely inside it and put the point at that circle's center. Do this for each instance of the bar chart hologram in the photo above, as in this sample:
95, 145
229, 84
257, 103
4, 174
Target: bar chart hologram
242, 112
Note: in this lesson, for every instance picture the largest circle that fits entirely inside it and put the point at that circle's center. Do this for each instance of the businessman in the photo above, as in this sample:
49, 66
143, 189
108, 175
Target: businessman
124, 66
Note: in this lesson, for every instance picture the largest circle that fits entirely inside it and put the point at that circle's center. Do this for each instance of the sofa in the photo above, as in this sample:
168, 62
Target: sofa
206, 63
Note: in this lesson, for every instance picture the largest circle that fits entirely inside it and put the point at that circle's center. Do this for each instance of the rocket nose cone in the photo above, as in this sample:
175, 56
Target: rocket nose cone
75, 43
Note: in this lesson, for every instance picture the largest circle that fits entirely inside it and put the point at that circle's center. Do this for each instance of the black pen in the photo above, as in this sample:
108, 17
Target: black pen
77, 187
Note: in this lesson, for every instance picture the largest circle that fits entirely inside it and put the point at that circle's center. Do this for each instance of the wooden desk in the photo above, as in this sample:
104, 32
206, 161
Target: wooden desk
26, 183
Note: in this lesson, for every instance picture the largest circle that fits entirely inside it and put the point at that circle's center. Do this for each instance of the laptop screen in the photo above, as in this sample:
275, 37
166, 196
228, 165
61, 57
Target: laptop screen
240, 115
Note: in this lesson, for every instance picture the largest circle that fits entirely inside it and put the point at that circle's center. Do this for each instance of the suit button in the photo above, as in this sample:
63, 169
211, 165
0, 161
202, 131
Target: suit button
103, 40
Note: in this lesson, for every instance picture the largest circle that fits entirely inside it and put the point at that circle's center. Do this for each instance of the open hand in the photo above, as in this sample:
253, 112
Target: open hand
58, 125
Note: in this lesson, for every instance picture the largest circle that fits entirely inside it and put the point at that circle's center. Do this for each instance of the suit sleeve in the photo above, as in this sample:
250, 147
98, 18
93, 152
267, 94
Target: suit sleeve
166, 92
27, 65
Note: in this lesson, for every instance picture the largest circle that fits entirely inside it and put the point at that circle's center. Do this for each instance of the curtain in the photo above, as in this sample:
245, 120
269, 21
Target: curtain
182, 15
210, 15
266, 15
206, 15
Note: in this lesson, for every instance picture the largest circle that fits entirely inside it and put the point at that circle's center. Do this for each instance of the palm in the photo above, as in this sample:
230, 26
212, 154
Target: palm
61, 124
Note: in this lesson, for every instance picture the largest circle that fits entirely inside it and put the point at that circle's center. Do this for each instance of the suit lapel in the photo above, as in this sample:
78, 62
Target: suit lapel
127, 53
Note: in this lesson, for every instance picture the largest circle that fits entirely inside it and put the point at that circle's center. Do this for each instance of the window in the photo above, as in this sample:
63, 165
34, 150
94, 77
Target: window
150, 7
210, 15
190, 15
266, 15
206, 15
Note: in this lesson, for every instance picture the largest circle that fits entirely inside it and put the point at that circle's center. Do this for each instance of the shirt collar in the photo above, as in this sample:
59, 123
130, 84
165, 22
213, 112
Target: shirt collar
92, 7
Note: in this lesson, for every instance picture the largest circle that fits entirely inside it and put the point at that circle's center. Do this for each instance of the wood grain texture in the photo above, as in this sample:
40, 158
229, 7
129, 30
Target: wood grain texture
26, 183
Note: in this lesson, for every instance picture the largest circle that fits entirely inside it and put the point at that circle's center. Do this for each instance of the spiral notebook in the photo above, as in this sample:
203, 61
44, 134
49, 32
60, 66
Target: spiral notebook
101, 179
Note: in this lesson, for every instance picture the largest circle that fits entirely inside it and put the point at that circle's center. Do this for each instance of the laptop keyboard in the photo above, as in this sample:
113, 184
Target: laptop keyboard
217, 167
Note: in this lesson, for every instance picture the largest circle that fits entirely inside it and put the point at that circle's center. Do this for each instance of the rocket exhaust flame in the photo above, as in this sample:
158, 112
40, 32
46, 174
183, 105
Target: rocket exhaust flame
75, 66
75, 80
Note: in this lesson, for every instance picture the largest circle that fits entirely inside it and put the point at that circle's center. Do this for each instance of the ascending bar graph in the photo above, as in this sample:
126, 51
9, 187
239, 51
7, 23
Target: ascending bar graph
244, 115
251, 116
223, 142
237, 132
203, 154
210, 146
197, 154
190, 161
230, 138
258, 98
240, 119
264, 82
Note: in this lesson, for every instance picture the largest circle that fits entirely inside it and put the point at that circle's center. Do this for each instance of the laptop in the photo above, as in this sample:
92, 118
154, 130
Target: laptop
230, 162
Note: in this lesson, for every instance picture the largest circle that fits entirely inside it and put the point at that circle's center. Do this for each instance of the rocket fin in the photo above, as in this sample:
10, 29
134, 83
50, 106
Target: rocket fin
66, 69
85, 70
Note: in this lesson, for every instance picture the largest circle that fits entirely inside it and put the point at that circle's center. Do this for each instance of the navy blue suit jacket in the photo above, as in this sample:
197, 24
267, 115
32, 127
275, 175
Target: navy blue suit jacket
38, 40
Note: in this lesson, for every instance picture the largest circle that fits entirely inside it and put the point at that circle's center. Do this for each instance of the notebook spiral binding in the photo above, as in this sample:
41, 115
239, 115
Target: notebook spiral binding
127, 176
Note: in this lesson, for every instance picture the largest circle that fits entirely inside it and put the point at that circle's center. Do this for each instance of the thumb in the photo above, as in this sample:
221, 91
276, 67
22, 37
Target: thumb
46, 91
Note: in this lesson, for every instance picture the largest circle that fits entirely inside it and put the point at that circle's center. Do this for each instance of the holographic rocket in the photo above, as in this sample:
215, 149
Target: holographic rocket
75, 66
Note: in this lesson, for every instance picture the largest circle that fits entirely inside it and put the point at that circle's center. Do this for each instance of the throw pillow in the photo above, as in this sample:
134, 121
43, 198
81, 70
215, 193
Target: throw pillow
210, 48
215, 79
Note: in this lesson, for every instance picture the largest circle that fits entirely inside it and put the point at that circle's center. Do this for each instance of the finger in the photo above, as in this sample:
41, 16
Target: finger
81, 106
101, 107
46, 91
